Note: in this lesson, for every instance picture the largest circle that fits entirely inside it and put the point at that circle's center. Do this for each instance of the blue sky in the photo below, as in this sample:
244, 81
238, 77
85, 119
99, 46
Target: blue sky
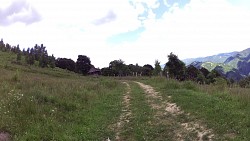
136, 31
130, 36
163, 6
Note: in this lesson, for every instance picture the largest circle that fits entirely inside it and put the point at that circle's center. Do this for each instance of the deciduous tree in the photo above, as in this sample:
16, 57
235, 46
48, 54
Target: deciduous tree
65, 63
147, 70
83, 64
175, 67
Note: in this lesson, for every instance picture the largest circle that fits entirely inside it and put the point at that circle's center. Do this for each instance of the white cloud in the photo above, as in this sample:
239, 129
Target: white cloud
201, 28
17, 11
67, 27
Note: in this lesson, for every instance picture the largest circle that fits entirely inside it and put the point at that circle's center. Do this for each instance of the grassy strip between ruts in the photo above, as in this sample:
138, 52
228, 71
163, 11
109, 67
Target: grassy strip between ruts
41, 107
227, 114
138, 128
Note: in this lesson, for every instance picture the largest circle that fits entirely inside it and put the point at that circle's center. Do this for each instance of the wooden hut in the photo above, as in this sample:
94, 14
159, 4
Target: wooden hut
94, 71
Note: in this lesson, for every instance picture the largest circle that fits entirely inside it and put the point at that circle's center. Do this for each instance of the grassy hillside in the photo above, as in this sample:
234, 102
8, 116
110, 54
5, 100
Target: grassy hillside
8, 62
51, 104
210, 66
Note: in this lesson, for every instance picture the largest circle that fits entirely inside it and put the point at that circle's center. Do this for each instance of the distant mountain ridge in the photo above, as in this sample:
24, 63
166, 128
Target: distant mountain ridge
233, 65
219, 58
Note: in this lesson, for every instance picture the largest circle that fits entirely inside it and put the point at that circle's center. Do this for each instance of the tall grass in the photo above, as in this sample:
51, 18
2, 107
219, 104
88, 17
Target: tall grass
45, 107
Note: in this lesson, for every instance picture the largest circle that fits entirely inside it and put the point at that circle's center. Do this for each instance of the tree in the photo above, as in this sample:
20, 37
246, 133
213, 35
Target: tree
15, 49
125, 70
157, 69
192, 73
39, 54
147, 70
106, 71
19, 56
201, 79
245, 83
43, 61
2, 45
211, 77
118, 67
7, 47
52, 61
204, 71
28, 51
65, 63
175, 68
134, 70
24, 52
30, 57
83, 64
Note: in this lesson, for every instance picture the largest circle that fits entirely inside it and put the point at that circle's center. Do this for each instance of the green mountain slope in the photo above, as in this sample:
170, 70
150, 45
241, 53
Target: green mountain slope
236, 66
219, 58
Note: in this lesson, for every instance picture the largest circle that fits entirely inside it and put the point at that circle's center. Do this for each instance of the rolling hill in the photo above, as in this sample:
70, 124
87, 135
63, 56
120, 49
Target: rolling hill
234, 65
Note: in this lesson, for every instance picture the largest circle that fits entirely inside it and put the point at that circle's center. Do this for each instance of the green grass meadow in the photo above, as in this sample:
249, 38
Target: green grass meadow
38, 106
54, 104
223, 109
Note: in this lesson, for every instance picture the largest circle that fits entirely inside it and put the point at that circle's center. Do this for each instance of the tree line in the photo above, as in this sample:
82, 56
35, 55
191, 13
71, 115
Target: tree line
81, 66
174, 67
38, 55
119, 68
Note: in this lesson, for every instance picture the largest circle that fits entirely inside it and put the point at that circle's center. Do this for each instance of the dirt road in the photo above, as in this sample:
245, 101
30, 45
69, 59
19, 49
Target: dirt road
169, 113
168, 121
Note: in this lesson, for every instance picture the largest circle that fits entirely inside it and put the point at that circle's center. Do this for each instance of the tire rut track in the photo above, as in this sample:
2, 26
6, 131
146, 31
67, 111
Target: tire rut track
126, 113
167, 114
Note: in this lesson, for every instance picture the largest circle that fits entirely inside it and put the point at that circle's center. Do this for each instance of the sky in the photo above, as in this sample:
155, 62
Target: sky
136, 31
